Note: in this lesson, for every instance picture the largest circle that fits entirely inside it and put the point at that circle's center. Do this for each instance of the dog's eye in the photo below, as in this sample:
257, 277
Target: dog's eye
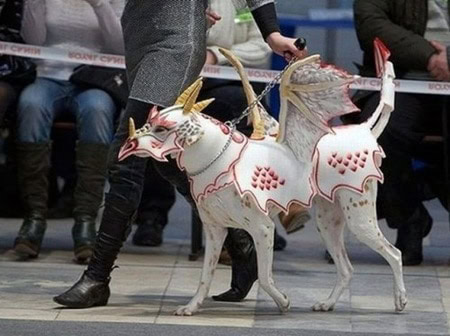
160, 129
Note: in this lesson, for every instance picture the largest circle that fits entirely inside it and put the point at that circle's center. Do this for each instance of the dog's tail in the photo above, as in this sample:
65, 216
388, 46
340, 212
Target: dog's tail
379, 119
255, 116
385, 70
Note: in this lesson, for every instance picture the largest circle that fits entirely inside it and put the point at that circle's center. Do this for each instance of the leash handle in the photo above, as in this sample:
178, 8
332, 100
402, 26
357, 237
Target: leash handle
300, 44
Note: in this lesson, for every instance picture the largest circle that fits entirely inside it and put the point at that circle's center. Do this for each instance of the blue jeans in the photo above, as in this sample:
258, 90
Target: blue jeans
46, 99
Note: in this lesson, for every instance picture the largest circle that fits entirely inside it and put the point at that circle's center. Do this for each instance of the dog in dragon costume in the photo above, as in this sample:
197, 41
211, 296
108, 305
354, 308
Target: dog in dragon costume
244, 183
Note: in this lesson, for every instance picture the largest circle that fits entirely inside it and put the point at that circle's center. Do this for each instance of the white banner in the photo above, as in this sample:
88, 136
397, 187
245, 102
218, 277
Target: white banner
209, 71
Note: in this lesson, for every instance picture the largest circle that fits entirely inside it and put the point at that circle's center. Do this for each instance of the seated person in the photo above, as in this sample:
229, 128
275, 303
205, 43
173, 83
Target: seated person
417, 34
237, 32
11, 83
82, 25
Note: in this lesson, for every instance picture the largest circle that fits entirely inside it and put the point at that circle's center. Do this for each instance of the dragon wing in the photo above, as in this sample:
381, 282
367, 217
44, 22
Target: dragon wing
312, 94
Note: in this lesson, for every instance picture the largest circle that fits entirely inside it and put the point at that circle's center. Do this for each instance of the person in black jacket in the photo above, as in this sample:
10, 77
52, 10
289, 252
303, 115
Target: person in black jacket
417, 34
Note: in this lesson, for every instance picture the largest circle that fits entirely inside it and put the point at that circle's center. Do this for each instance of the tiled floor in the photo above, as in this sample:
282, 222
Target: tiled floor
151, 283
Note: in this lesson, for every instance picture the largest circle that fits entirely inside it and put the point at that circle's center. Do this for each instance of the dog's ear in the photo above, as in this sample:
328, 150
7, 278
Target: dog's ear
191, 131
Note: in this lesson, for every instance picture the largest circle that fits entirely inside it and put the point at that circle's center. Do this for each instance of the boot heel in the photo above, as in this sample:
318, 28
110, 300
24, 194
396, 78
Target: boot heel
83, 254
83, 234
31, 233
102, 302
26, 250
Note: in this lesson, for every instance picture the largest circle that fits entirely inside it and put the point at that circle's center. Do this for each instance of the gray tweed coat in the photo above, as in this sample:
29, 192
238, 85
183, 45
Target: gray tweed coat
165, 46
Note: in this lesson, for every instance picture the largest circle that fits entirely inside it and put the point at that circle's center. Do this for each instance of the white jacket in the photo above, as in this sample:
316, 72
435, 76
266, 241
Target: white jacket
243, 39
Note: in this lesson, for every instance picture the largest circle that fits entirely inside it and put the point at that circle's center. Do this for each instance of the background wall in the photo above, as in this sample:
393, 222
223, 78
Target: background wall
347, 48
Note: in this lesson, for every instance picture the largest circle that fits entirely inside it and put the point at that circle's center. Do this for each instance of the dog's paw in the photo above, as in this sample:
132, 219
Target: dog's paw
187, 310
323, 306
400, 301
285, 304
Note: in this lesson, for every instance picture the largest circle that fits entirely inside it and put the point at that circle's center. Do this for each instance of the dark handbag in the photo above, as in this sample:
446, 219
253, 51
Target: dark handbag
112, 81
13, 69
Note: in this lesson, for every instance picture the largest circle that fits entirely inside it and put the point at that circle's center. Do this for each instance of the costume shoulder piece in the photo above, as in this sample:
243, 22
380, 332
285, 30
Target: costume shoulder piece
272, 176
347, 159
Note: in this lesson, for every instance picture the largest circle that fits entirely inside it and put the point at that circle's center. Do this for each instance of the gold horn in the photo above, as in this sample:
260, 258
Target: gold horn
188, 106
200, 106
258, 126
131, 128
187, 93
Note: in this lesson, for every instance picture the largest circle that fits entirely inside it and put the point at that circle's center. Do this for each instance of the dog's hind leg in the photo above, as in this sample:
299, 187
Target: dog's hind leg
262, 229
215, 236
330, 224
361, 219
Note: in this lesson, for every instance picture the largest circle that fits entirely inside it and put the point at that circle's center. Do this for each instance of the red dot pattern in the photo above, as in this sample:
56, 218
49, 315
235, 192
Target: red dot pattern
349, 161
265, 178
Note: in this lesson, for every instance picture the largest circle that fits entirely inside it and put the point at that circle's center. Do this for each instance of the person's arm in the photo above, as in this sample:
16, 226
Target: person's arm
108, 15
34, 28
408, 49
265, 16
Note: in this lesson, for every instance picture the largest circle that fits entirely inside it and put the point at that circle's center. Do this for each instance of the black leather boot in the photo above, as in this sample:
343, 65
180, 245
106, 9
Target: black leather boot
28, 241
411, 234
85, 293
91, 164
92, 289
150, 231
33, 161
83, 234
244, 266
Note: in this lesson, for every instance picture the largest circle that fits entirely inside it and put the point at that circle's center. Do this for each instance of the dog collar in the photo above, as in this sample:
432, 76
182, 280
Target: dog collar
219, 154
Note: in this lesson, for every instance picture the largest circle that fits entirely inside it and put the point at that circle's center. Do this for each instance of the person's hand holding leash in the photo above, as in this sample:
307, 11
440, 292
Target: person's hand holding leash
287, 47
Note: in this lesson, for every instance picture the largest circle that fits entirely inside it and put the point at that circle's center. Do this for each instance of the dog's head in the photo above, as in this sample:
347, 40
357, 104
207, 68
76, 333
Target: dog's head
167, 131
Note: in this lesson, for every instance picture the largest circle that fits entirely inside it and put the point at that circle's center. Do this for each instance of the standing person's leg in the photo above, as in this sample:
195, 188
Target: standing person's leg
37, 107
180, 54
126, 181
158, 197
95, 112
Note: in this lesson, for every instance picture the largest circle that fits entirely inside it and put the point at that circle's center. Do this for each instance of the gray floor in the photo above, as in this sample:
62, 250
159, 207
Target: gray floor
152, 282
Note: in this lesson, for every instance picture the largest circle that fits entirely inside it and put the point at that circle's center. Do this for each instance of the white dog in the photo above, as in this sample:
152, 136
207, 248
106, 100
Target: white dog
244, 183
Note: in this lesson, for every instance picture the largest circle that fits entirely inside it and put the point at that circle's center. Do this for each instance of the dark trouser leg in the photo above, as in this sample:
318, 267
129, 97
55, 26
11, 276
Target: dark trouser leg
126, 180
158, 197
7, 97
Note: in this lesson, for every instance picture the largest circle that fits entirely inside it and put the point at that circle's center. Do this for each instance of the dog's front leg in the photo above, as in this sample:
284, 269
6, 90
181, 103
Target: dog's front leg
215, 236
262, 231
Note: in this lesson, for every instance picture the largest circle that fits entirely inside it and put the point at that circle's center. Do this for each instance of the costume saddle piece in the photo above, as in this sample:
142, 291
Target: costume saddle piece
245, 182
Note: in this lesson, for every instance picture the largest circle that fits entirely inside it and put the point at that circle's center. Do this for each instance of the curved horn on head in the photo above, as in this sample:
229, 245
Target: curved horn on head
200, 106
131, 128
248, 89
188, 106
187, 93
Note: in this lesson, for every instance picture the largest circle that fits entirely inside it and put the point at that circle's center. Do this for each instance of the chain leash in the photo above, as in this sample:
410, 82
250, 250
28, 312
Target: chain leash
300, 44
234, 122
